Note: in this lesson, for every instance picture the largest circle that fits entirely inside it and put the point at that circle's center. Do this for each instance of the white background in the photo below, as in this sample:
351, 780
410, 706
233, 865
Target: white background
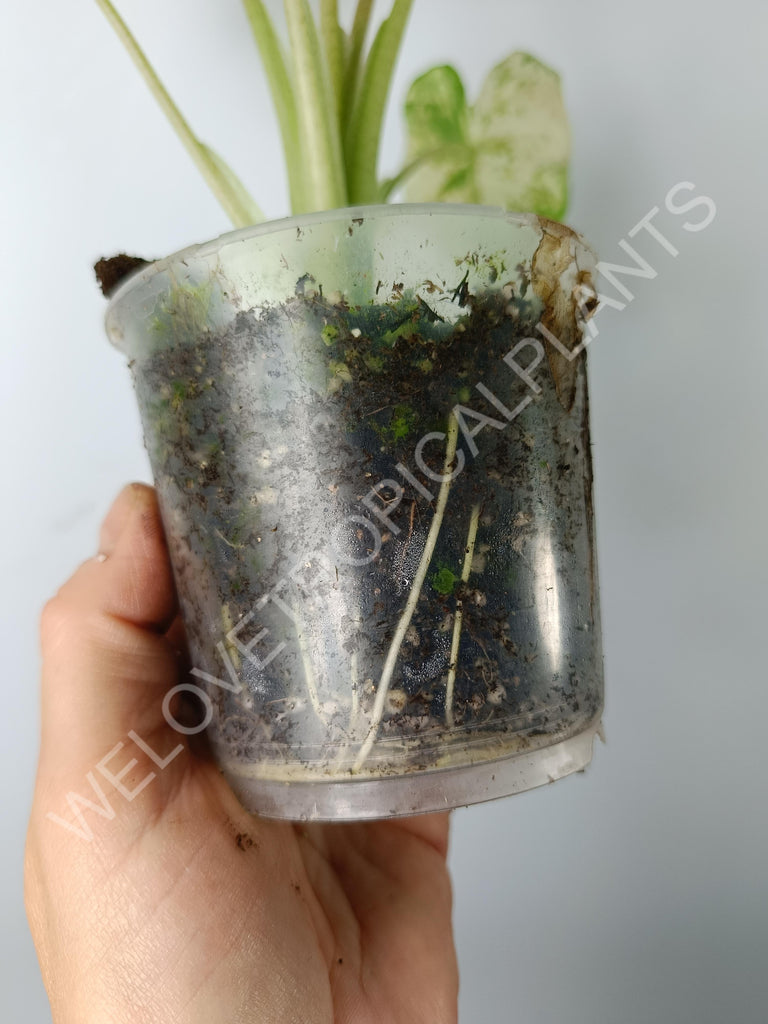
636, 892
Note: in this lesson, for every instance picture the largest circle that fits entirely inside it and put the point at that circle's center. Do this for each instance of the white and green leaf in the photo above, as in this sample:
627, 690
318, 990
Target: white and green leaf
510, 149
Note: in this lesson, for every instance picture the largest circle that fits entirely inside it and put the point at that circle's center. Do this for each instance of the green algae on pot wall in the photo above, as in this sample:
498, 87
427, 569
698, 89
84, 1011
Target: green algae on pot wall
374, 471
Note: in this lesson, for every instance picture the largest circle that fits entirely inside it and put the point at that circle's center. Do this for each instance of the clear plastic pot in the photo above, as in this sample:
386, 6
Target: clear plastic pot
370, 439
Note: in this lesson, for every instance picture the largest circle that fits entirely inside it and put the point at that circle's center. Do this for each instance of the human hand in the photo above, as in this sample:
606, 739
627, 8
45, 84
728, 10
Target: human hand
182, 907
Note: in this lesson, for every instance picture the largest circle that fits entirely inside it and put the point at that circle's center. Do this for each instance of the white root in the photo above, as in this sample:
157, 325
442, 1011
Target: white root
413, 597
306, 660
469, 552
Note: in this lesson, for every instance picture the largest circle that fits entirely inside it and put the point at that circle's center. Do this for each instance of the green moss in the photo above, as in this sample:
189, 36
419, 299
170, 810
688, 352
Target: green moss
402, 422
184, 312
403, 331
179, 391
444, 581
329, 334
338, 374
374, 363
243, 527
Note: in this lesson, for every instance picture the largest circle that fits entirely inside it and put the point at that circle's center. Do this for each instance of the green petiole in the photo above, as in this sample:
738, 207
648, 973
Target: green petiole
221, 179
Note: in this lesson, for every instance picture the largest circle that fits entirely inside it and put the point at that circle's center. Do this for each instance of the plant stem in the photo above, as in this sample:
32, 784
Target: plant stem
333, 44
390, 184
469, 551
361, 143
283, 97
413, 597
232, 651
354, 52
221, 179
319, 130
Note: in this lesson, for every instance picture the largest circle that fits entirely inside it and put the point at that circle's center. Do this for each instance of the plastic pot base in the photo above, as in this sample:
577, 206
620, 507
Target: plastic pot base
417, 793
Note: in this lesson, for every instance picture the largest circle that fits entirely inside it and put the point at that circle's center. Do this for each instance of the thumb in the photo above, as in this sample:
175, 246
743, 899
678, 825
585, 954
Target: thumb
107, 665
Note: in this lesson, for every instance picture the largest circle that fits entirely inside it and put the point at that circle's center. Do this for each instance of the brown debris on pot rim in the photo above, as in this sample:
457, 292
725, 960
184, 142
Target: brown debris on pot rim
566, 303
111, 271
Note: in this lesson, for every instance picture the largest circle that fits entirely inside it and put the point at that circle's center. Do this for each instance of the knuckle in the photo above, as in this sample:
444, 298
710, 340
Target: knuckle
60, 619
52, 617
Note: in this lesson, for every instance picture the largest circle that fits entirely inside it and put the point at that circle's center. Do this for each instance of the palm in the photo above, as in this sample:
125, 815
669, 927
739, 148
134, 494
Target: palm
339, 923
384, 894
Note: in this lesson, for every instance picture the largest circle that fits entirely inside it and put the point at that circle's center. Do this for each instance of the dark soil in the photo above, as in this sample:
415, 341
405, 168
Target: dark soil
266, 437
